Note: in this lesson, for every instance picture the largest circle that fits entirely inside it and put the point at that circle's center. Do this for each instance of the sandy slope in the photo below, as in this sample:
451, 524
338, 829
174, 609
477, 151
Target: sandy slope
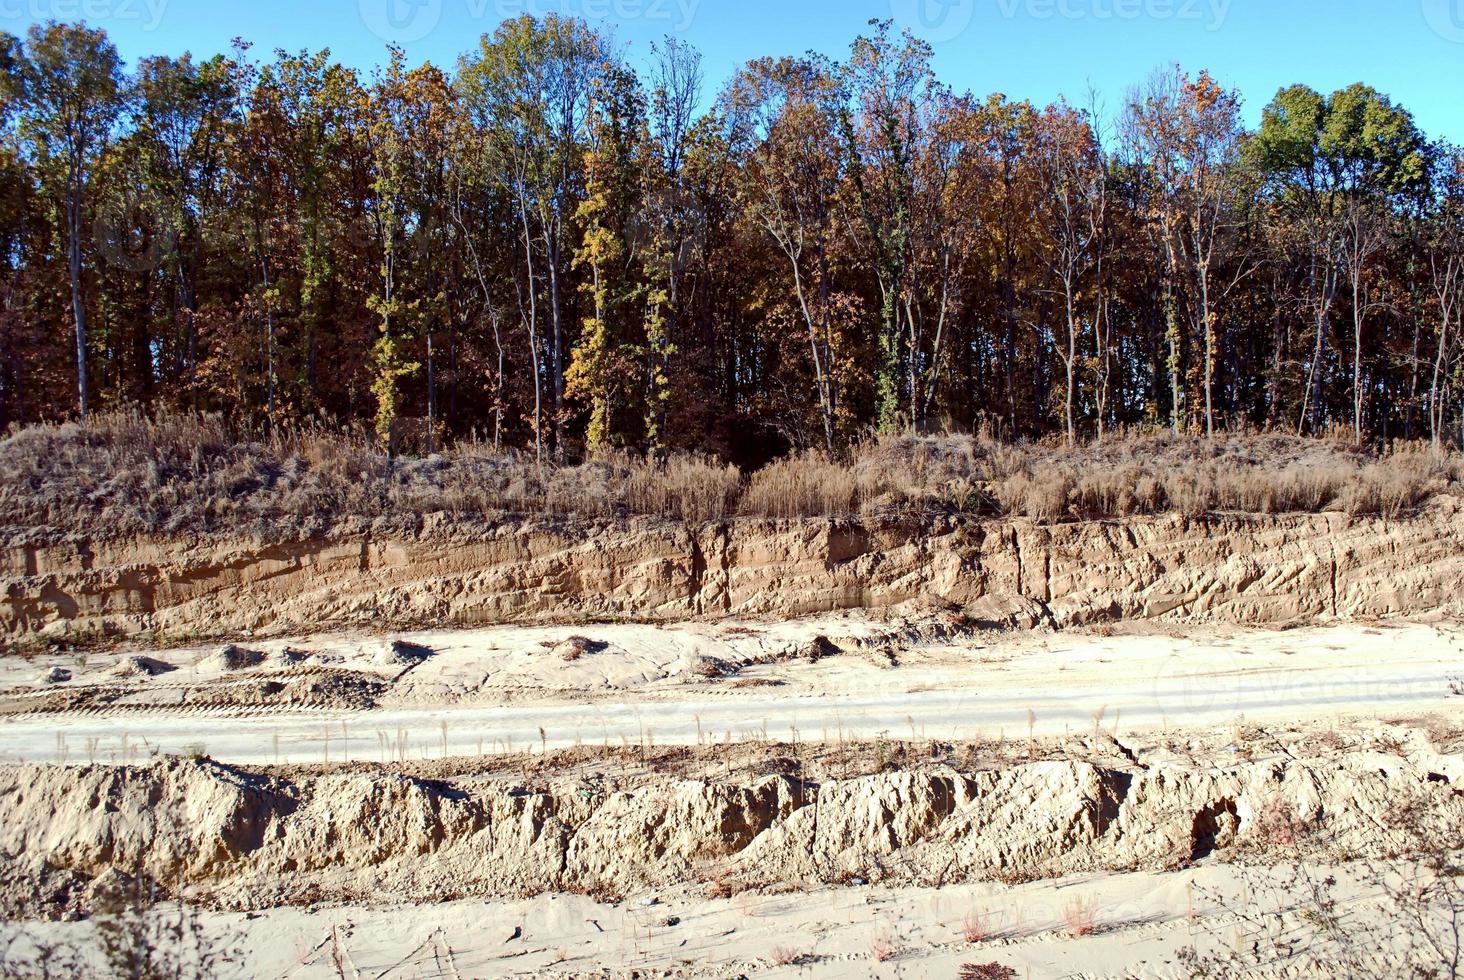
1143, 921
1253, 569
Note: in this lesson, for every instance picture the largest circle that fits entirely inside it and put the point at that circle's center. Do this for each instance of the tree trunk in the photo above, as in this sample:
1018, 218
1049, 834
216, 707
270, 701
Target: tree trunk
555, 315
1357, 352
1209, 332
78, 306
431, 394
1070, 363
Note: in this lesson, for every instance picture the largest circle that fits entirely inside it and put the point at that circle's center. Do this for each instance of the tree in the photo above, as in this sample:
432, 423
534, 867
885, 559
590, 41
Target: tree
1444, 246
183, 113
71, 93
669, 219
530, 86
1187, 132
891, 96
1375, 154
1335, 164
1070, 215
603, 365
791, 165
531, 83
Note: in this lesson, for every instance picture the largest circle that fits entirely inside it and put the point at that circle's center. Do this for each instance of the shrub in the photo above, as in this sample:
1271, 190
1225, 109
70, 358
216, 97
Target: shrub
987, 971
786, 956
975, 928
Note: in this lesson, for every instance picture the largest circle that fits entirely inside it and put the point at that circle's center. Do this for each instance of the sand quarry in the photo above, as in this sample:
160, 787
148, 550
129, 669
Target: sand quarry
850, 794
1162, 748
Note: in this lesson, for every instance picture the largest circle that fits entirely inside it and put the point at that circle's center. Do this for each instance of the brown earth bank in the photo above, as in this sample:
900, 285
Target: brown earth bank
1244, 569
616, 823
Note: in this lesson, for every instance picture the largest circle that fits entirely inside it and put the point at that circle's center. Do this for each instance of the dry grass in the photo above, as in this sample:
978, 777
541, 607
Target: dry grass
799, 487
786, 956
883, 948
987, 971
124, 474
976, 928
1080, 916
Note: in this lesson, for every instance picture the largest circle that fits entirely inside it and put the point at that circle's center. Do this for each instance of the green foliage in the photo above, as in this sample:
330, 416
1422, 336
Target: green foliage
389, 366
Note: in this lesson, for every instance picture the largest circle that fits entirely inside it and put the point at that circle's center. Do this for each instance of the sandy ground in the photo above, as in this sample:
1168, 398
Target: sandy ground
1134, 925
357, 697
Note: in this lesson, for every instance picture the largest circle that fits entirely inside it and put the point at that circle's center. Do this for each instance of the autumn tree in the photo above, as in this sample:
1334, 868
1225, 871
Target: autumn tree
183, 117
605, 364
1070, 215
792, 167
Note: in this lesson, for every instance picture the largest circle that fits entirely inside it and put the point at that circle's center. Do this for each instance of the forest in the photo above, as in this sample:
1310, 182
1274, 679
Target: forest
550, 250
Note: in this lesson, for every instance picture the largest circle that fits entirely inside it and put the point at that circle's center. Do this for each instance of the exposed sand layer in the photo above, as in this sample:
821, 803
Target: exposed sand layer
1098, 859
1228, 568
828, 797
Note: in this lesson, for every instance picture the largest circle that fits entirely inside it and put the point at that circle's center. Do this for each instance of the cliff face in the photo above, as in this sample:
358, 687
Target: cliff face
1240, 569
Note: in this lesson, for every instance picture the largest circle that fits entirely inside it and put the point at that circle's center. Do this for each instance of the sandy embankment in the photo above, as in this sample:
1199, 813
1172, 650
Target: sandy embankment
1094, 854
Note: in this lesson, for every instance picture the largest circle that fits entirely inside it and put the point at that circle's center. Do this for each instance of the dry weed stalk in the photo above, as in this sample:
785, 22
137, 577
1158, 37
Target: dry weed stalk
1081, 917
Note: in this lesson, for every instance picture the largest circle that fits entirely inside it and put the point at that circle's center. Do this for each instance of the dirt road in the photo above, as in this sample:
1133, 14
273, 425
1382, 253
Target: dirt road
479, 692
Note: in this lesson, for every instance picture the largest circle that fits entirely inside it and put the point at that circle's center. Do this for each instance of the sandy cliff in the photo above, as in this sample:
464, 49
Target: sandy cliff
1242, 569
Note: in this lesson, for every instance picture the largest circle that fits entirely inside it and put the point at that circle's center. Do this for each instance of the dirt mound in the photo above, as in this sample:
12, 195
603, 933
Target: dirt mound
335, 689
575, 647
232, 658
400, 653
141, 667
258, 839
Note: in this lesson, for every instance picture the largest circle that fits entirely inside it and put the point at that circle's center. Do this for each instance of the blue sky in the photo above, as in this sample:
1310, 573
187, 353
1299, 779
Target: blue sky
1036, 49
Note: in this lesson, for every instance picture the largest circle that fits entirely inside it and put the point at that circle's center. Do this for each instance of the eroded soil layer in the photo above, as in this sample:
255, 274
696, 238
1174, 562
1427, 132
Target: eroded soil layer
1236, 569
754, 816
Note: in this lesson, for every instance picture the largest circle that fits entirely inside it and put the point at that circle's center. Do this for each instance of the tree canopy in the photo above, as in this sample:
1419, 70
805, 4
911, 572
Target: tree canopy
548, 247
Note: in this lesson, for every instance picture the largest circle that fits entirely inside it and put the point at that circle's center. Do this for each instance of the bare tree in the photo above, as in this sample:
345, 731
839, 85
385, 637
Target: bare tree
1069, 215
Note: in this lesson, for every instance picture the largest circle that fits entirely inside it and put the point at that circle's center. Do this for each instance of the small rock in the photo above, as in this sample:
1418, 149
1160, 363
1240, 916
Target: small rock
673, 922
56, 675
289, 657
576, 647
